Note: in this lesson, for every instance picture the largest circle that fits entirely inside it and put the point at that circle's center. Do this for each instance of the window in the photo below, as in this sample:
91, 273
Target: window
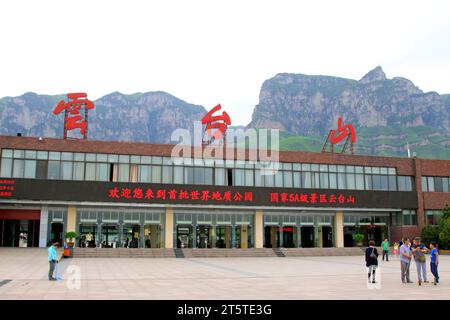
279, 179
409, 217
18, 168
438, 185
90, 171
145, 173
306, 179
384, 182
102, 172
297, 180
53, 170
433, 216
167, 174
6, 168
392, 183
430, 181
188, 175
269, 179
78, 170
219, 176
287, 179
178, 175
376, 182
66, 170
208, 176
156, 174
350, 181
333, 180
341, 180
249, 178
323, 180
239, 177
359, 181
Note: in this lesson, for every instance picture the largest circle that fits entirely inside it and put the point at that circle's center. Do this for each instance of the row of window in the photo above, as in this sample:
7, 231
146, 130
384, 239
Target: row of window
157, 160
168, 174
433, 217
435, 184
351, 220
205, 218
296, 219
404, 218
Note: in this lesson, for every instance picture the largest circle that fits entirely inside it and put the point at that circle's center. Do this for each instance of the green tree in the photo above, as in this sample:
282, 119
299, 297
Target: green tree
444, 228
430, 233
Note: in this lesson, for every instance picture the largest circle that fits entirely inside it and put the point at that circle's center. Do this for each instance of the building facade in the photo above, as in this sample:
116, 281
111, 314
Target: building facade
134, 195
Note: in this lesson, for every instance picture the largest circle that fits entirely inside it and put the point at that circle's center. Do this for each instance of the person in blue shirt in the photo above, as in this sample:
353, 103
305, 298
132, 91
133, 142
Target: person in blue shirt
434, 262
52, 259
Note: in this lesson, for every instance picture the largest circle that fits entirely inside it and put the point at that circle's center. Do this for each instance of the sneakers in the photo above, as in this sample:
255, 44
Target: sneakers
420, 282
52, 279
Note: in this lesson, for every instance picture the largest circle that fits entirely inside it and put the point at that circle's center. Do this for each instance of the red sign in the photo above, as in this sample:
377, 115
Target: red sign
285, 197
180, 194
72, 117
216, 125
343, 131
6, 188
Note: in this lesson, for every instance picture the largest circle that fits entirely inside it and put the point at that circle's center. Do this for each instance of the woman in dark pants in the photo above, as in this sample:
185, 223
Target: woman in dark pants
371, 260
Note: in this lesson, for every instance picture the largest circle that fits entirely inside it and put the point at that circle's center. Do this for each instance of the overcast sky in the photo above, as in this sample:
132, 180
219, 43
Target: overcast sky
209, 52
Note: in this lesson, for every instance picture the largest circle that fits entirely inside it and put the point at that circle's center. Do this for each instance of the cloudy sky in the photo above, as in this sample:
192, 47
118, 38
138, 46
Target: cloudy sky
208, 52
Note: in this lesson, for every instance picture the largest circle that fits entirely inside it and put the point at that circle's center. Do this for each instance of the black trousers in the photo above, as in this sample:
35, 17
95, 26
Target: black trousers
386, 253
51, 269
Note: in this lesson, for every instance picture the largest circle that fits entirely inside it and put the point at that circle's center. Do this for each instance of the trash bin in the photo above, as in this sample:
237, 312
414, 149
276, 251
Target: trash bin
68, 251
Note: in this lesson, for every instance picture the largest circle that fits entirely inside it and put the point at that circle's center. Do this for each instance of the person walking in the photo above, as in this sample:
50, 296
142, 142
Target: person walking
371, 260
418, 250
52, 259
396, 246
385, 247
434, 262
405, 260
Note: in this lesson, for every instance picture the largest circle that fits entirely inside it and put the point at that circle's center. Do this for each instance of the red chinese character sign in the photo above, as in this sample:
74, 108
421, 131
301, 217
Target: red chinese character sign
346, 132
73, 118
216, 126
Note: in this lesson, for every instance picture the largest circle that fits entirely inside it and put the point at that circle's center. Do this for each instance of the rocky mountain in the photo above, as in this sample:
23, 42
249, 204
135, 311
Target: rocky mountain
380, 109
145, 117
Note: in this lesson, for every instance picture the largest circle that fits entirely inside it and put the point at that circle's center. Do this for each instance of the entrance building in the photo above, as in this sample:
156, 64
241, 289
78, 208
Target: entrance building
134, 195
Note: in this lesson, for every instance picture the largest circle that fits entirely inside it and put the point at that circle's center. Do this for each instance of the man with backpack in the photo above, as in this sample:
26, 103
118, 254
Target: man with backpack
418, 251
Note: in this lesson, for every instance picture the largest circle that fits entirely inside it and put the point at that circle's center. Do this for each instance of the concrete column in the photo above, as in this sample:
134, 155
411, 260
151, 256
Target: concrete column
168, 239
339, 229
281, 235
299, 237
154, 236
318, 243
43, 228
233, 236
71, 221
141, 236
244, 236
194, 235
259, 229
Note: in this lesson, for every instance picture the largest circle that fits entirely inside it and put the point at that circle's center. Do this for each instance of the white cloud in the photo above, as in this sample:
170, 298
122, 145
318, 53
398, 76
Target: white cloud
207, 52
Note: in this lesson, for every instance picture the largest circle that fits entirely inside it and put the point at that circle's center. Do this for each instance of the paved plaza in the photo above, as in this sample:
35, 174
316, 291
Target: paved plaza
23, 275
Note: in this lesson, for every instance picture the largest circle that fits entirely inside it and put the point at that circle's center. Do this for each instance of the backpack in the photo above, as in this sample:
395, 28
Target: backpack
372, 255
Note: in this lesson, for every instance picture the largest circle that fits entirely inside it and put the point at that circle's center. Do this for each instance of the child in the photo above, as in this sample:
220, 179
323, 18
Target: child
396, 249
371, 260
434, 262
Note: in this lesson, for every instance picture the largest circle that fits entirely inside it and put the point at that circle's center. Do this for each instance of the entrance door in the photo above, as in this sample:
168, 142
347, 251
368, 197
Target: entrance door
88, 234
271, 237
223, 236
19, 233
203, 236
327, 236
184, 236
131, 235
307, 235
56, 232
348, 236
374, 233
152, 235
288, 237
110, 236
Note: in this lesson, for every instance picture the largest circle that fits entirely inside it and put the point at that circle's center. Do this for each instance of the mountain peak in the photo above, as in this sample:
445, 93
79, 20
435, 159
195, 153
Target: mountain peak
376, 74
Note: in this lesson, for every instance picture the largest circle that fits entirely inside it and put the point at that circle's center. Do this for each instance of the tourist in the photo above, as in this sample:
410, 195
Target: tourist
405, 260
52, 259
396, 246
371, 260
434, 262
385, 247
418, 251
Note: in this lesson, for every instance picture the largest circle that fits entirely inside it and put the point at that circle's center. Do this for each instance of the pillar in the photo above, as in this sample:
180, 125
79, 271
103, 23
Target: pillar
71, 220
168, 239
244, 236
233, 236
43, 228
318, 243
154, 243
141, 236
281, 235
339, 229
299, 237
259, 229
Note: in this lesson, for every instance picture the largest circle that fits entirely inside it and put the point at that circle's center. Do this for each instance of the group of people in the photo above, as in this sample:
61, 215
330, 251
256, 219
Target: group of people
407, 253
